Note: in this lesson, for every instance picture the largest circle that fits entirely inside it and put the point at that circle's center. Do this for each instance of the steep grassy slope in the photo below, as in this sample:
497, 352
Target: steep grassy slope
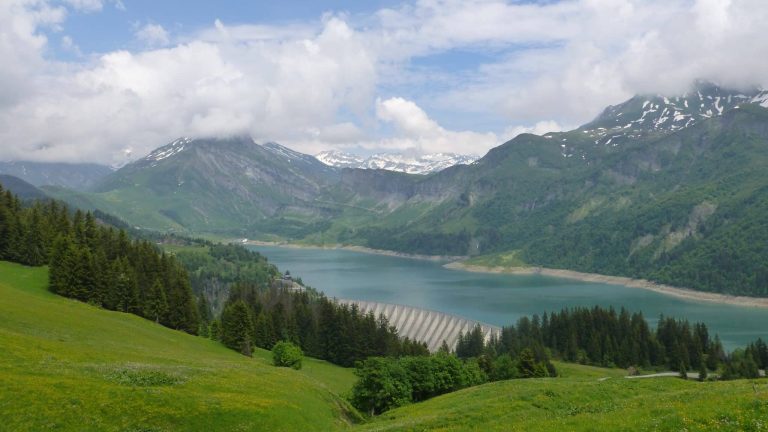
589, 399
65, 365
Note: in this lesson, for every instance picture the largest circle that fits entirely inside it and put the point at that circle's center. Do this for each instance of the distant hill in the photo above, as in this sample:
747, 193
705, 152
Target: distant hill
668, 188
21, 188
79, 177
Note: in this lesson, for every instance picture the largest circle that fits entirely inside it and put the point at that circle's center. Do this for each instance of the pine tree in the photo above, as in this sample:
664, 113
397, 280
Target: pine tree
156, 304
214, 330
703, 372
236, 327
204, 310
526, 364
59, 277
444, 348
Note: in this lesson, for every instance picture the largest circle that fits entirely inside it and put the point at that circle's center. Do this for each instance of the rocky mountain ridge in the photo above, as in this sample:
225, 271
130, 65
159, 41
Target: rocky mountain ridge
424, 164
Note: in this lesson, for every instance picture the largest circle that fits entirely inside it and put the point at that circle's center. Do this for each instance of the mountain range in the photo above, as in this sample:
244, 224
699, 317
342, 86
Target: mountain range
670, 189
20, 188
425, 164
77, 176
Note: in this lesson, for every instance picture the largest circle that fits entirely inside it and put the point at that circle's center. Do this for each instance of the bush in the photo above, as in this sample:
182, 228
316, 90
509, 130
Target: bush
286, 354
388, 383
383, 384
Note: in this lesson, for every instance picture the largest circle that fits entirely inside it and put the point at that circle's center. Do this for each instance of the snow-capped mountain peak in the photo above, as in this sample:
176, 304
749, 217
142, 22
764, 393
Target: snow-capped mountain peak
287, 154
339, 159
167, 151
425, 164
649, 114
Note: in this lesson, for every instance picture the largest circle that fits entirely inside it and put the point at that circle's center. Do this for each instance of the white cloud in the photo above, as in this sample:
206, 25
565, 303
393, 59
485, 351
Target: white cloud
21, 46
540, 128
276, 90
69, 45
154, 35
603, 51
420, 133
317, 84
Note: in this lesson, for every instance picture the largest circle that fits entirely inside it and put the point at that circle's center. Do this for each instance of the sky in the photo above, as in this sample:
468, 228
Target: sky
108, 81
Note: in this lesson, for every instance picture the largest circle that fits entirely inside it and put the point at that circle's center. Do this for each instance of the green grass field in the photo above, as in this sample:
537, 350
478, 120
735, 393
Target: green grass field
589, 399
65, 365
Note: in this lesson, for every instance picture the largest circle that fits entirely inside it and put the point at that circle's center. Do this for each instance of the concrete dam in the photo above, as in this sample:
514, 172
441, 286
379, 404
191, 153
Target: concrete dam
423, 325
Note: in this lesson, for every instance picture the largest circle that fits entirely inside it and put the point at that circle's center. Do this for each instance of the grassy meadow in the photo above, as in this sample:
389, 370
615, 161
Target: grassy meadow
65, 365
589, 399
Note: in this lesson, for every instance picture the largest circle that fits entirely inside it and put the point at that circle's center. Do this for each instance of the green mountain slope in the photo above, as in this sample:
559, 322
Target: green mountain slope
588, 400
20, 188
65, 365
684, 209
229, 186
669, 189
77, 176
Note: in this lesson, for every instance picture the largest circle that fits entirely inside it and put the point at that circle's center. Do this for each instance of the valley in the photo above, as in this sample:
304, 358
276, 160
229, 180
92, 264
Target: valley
497, 299
652, 189
401, 215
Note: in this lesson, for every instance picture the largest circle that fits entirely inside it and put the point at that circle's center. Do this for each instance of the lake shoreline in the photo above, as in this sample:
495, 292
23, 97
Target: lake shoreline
361, 249
682, 293
457, 263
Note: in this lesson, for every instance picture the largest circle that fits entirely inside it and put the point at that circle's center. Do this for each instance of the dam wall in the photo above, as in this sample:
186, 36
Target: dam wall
424, 325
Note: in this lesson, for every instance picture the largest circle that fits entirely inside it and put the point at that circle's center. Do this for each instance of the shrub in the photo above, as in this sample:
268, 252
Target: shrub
286, 354
383, 384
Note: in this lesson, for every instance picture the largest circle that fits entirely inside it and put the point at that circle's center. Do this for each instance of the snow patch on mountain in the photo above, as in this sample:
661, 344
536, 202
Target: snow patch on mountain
340, 159
653, 114
168, 150
426, 164
761, 99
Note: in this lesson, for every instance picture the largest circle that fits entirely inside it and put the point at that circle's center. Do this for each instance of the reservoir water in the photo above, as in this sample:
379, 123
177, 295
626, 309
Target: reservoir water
496, 298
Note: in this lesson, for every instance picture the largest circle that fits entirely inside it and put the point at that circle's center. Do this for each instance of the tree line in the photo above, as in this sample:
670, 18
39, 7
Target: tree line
257, 316
604, 337
95, 263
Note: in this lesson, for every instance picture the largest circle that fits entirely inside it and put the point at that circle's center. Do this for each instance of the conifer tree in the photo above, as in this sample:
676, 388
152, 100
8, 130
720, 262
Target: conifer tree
236, 327
526, 365
156, 303
703, 372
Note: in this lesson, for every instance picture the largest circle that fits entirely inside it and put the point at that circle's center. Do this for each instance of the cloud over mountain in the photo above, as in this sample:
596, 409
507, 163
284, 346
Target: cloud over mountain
362, 80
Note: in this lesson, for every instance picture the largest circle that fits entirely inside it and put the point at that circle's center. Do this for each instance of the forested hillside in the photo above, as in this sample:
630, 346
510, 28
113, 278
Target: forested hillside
69, 366
95, 263
685, 208
100, 265
667, 189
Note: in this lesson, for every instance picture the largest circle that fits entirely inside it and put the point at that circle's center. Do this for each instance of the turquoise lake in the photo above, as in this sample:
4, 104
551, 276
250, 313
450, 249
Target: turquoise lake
495, 298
